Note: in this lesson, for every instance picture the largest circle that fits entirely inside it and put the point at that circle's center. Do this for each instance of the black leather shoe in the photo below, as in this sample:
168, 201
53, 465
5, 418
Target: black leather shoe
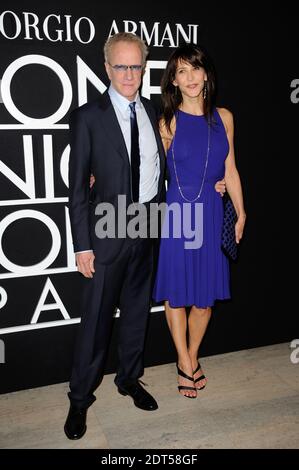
142, 399
75, 425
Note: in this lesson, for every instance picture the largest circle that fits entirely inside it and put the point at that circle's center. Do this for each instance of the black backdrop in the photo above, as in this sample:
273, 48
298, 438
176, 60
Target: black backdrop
255, 58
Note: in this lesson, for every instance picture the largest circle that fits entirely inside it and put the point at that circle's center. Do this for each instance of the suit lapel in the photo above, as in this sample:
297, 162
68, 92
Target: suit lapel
111, 125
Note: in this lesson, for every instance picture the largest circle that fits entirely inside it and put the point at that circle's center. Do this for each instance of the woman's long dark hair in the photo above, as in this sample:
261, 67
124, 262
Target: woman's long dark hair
171, 96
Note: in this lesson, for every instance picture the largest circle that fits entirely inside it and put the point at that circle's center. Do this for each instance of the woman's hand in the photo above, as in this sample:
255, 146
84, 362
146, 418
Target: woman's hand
239, 227
220, 187
91, 181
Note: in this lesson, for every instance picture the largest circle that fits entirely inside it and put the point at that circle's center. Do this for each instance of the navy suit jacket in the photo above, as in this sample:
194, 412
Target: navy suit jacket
98, 147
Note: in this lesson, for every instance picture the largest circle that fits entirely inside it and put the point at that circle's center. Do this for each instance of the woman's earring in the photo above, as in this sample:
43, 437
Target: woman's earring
175, 90
205, 89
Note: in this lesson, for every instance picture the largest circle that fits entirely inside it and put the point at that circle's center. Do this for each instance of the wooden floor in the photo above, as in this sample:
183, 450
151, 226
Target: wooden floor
251, 401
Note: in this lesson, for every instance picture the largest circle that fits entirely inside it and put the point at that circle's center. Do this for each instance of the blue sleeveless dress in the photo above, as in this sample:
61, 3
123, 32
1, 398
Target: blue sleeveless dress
198, 275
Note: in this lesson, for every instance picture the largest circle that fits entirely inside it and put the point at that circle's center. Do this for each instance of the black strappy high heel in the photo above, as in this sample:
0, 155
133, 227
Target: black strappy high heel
199, 378
183, 387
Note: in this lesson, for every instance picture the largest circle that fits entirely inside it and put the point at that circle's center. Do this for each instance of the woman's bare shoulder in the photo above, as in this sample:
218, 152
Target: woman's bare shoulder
227, 117
165, 132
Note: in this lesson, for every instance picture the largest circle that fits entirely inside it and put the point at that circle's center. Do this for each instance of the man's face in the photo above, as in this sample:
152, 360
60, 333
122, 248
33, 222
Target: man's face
125, 82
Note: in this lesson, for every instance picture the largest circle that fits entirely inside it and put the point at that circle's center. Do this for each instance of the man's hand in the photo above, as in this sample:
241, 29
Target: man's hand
220, 187
85, 263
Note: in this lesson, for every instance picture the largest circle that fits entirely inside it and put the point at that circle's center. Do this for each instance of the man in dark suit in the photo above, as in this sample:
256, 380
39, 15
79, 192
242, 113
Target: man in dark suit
116, 138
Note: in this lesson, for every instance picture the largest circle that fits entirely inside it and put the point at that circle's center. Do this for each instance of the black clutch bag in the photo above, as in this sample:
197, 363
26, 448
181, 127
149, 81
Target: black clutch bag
228, 238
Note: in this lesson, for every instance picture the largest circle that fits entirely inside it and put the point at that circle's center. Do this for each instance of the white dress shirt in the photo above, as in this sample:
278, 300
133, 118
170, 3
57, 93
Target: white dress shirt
149, 156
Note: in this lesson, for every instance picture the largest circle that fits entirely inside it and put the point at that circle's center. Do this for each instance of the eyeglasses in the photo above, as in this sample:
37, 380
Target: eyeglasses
124, 68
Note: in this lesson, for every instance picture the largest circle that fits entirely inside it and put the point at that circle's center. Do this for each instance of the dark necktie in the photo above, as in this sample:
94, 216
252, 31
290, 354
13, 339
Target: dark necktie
135, 154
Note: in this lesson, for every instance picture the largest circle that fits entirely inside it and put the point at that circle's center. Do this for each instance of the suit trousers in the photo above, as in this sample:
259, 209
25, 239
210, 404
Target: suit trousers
126, 283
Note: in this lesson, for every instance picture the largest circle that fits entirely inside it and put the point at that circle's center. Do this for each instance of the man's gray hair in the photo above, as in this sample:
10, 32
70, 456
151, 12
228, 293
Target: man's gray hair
125, 37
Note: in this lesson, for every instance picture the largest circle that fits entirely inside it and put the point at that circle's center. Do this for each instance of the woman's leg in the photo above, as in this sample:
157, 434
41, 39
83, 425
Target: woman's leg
197, 324
177, 323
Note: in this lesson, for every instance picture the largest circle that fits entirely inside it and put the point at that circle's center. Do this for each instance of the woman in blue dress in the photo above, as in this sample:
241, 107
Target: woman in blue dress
198, 141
